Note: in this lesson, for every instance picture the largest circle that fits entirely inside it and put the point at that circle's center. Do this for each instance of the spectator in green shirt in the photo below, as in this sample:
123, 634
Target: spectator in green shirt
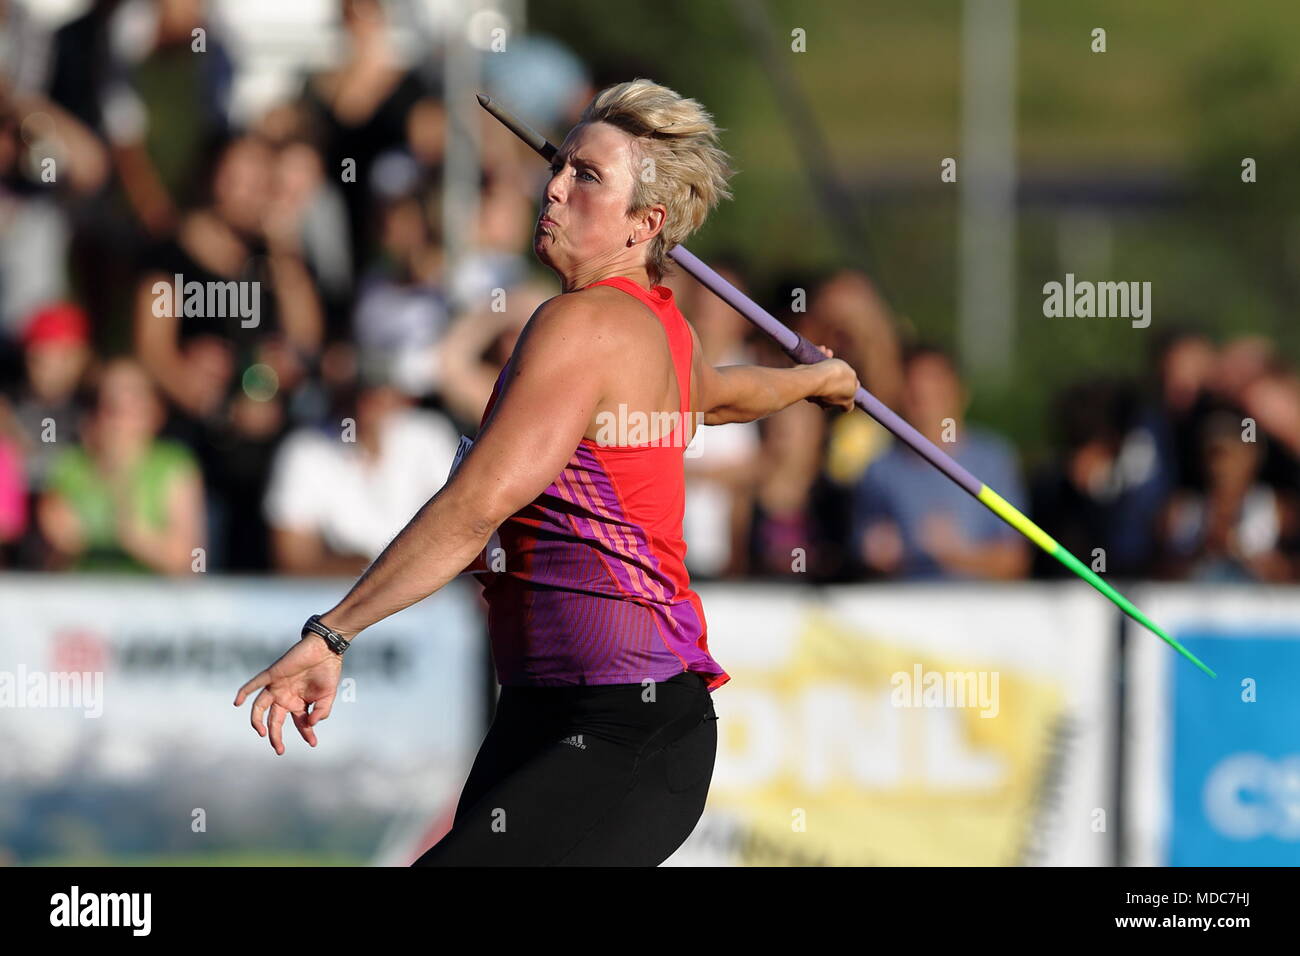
123, 499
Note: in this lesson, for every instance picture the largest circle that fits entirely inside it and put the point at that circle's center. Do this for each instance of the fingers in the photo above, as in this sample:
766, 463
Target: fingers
260, 720
278, 713
320, 710
303, 723
260, 704
261, 680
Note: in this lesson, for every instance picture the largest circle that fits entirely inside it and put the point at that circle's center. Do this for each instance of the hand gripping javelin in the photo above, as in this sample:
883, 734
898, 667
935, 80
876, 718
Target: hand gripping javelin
804, 352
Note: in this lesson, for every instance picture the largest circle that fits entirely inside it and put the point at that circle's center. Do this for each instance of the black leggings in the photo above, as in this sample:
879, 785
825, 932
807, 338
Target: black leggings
597, 775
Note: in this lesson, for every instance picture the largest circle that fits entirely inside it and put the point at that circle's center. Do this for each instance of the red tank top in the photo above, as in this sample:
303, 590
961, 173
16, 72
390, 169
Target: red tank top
587, 584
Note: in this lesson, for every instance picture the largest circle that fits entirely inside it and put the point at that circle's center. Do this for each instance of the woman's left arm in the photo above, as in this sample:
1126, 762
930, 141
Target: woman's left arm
745, 393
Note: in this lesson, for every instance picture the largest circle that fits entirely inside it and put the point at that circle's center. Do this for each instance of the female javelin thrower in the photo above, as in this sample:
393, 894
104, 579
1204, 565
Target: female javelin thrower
602, 747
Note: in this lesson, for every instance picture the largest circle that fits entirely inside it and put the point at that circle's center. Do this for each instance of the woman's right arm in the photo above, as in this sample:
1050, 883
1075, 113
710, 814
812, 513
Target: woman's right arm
556, 382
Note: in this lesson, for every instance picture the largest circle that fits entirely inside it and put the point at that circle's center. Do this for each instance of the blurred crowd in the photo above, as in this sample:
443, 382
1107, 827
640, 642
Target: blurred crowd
142, 431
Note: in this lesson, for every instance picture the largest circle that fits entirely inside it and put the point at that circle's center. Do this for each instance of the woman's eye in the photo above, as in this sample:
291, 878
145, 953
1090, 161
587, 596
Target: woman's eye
556, 167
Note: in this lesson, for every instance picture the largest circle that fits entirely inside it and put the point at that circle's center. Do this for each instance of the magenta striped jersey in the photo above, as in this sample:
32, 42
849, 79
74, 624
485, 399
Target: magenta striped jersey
590, 583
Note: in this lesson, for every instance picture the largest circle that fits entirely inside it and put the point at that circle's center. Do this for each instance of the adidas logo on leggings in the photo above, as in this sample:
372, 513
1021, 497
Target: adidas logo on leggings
576, 741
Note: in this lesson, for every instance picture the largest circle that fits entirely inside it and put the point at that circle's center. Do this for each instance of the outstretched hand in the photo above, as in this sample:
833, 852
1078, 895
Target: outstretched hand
306, 675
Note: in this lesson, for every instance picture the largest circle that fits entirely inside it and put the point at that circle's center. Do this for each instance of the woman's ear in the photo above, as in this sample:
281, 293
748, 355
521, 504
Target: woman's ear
651, 223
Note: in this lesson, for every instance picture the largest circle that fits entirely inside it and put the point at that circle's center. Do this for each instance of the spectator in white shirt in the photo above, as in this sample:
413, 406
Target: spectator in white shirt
338, 496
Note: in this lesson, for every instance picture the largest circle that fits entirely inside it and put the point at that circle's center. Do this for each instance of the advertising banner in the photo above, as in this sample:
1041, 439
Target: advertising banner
1213, 765
910, 725
118, 734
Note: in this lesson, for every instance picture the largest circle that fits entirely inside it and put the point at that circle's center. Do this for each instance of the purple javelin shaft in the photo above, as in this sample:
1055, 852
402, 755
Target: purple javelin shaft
804, 352
794, 345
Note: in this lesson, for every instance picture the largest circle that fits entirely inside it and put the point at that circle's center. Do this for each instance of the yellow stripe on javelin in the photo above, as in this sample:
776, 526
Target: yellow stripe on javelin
1012, 516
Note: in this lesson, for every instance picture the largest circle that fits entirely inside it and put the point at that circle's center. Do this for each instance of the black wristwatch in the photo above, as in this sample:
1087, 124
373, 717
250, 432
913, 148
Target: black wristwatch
337, 642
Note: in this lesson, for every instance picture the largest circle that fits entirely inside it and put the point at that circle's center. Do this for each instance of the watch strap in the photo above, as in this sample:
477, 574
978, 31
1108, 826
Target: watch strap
336, 641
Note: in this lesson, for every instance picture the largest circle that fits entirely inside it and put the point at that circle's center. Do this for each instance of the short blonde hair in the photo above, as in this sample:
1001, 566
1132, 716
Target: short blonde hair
677, 136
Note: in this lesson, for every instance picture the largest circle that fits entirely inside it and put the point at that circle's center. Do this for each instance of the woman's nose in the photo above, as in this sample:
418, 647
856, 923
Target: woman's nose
555, 188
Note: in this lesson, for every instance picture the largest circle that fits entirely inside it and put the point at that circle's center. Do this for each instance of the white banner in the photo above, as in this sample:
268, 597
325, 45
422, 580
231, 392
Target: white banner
116, 697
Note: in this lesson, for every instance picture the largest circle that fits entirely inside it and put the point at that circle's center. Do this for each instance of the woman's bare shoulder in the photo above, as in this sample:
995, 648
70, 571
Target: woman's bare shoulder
589, 319
610, 302
606, 312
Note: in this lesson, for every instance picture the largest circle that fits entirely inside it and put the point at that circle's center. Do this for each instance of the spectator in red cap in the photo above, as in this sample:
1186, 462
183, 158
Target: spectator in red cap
56, 355
57, 322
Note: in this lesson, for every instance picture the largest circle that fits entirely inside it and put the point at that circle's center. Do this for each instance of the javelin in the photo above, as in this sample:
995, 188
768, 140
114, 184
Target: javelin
803, 352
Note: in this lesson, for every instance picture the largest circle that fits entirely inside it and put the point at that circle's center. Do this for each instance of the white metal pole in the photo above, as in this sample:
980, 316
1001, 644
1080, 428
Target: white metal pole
987, 178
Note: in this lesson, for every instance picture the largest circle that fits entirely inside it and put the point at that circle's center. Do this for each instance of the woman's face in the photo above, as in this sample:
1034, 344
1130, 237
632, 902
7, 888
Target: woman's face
583, 217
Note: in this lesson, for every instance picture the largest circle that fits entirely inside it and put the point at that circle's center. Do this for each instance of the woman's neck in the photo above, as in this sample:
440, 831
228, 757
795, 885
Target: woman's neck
580, 279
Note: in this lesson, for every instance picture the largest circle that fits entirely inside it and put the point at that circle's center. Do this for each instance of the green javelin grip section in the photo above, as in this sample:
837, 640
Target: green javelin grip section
1012, 516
